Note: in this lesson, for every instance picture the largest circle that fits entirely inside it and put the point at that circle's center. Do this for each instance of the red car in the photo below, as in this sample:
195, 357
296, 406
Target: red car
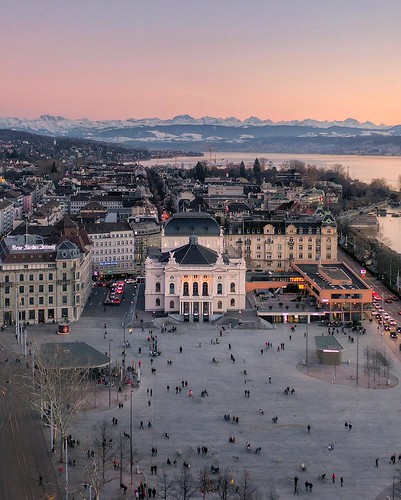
388, 300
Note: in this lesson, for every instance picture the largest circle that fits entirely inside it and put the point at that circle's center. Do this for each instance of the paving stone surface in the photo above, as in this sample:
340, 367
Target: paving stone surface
375, 413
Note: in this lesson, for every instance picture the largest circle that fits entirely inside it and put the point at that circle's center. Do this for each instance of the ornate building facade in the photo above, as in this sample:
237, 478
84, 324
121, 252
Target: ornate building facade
275, 244
45, 280
194, 282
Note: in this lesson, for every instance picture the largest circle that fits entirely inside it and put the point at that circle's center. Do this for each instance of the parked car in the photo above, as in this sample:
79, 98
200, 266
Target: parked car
393, 335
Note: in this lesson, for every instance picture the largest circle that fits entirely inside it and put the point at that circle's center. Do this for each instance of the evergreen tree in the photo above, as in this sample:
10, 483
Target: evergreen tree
200, 172
257, 171
242, 170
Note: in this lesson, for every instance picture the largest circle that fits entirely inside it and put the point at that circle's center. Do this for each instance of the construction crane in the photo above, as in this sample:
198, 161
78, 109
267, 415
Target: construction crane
210, 155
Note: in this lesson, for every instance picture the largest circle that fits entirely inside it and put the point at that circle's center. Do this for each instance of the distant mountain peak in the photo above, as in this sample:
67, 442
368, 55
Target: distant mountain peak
184, 119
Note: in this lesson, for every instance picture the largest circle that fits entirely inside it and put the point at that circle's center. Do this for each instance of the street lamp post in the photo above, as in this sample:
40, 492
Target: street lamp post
130, 433
124, 343
357, 358
25, 339
110, 340
66, 468
306, 343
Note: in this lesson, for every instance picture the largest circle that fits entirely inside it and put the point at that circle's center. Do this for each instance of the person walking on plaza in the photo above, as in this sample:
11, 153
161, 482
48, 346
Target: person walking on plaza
341, 481
333, 477
308, 427
296, 492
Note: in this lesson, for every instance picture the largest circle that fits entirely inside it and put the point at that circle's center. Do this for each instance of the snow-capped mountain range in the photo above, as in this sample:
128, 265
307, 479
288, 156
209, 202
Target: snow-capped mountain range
186, 133
58, 125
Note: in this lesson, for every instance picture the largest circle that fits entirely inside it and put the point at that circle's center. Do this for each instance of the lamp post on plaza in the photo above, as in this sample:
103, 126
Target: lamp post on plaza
124, 343
306, 343
110, 341
357, 358
25, 339
130, 433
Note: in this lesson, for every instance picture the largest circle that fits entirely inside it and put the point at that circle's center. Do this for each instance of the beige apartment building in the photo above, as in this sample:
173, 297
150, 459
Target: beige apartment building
146, 235
45, 281
275, 244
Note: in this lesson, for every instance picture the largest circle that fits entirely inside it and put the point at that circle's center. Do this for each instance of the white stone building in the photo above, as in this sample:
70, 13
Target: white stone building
6, 217
113, 249
195, 282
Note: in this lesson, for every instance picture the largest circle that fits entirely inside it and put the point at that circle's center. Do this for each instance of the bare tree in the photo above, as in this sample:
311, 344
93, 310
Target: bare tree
106, 457
206, 483
59, 390
225, 488
185, 485
164, 485
377, 362
247, 489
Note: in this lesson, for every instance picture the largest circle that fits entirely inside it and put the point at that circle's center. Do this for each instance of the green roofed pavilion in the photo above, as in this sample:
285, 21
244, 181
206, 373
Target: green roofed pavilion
328, 349
74, 355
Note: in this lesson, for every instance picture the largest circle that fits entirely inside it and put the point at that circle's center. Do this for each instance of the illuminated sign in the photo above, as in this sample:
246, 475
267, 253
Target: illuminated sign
30, 248
363, 272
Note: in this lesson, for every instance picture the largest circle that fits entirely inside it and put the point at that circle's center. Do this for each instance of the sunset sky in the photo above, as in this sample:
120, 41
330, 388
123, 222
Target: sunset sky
277, 59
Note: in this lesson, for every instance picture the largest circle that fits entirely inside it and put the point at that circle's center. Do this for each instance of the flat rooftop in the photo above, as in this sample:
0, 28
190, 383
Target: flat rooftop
335, 271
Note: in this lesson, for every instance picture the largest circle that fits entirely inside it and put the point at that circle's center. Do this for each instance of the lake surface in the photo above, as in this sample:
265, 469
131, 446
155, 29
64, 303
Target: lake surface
364, 168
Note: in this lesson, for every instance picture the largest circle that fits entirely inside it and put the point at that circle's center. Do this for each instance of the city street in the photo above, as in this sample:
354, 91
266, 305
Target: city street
25, 455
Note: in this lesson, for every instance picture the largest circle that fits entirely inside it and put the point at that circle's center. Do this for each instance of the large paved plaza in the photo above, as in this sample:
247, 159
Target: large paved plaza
375, 414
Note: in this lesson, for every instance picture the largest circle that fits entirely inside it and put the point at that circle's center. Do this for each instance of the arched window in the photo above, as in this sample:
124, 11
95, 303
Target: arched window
186, 288
171, 304
158, 302
219, 289
158, 286
219, 304
171, 288
205, 289
232, 287
195, 288
232, 302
